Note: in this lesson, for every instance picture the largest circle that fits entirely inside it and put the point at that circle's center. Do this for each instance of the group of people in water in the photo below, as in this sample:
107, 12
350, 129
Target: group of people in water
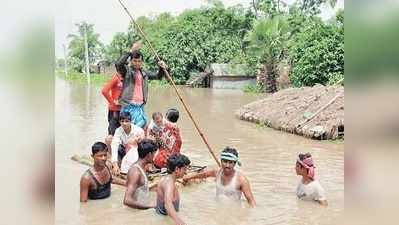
134, 147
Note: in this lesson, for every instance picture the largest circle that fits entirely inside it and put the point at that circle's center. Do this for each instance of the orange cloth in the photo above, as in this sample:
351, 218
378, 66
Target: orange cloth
112, 90
161, 158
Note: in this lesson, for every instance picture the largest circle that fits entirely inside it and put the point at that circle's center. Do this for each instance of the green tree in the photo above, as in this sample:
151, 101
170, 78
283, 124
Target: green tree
312, 7
120, 43
270, 8
76, 47
153, 29
296, 19
210, 35
195, 38
317, 53
215, 3
268, 41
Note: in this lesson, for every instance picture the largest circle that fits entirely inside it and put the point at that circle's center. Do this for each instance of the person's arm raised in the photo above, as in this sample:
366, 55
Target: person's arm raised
136, 46
120, 64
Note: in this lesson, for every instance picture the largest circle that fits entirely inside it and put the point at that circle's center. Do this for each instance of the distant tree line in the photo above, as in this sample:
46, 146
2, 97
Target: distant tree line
264, 35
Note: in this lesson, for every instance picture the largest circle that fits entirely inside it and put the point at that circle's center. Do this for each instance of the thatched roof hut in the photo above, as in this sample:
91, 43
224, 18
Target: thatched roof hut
314, 112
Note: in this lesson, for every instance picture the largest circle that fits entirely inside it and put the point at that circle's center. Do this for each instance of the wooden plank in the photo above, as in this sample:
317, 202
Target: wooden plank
152, 177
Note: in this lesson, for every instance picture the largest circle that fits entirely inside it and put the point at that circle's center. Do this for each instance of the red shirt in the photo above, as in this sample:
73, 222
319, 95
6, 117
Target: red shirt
112, 90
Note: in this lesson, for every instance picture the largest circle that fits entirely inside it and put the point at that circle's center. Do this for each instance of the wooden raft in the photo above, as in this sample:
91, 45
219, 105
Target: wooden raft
153, 177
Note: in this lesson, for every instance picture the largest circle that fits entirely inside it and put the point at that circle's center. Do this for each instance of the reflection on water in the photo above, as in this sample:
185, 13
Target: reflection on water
268, 158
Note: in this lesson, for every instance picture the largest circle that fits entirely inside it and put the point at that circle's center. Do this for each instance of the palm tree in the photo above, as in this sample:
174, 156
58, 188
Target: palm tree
76, 46
267, 41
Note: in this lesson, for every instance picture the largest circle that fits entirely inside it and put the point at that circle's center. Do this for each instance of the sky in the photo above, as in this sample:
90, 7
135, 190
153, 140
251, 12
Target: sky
109, 17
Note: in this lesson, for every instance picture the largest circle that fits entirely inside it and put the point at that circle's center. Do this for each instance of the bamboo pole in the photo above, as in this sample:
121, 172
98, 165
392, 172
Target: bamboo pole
318, 111
154, 178
173, 84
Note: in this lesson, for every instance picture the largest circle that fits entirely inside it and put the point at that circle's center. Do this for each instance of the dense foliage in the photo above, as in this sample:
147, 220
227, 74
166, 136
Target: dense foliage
317, 54
196, 38
76, 48
265, 35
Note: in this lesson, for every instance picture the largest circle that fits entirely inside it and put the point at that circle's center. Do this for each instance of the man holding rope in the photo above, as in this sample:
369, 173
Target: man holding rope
135, 85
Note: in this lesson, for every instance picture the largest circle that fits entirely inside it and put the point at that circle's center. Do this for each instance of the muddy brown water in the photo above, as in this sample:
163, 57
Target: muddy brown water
268, 159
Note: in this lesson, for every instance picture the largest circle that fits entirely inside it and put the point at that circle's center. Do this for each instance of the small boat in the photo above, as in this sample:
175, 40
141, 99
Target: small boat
153, 176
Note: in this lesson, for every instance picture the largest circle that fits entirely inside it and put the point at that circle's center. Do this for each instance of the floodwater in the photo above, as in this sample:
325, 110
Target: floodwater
267, 156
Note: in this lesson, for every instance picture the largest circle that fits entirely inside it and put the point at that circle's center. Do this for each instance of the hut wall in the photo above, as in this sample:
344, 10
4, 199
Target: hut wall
231, 82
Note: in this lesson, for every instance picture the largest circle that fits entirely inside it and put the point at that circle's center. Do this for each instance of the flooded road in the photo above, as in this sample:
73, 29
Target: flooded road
267, 156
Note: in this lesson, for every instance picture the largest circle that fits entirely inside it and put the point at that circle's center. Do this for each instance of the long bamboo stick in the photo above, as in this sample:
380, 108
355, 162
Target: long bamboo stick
173, 84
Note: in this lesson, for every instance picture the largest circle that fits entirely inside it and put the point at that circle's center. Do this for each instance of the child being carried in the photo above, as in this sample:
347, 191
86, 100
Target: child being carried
166, 134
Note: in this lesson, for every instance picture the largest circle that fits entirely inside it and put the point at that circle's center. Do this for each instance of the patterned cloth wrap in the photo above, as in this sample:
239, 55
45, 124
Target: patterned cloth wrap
308, 164
137, 114
171, 144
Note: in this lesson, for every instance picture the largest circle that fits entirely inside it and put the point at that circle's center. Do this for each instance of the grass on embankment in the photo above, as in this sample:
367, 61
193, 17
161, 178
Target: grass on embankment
101, 79
252, 89
73, 76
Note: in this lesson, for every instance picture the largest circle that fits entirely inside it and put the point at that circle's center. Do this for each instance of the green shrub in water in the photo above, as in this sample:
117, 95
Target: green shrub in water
252, 88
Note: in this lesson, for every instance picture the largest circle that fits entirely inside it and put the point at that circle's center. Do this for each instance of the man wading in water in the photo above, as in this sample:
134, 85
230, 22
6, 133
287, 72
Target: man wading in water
96, 181
137, 191
230, 183
168, 197
135, 84
308, 187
